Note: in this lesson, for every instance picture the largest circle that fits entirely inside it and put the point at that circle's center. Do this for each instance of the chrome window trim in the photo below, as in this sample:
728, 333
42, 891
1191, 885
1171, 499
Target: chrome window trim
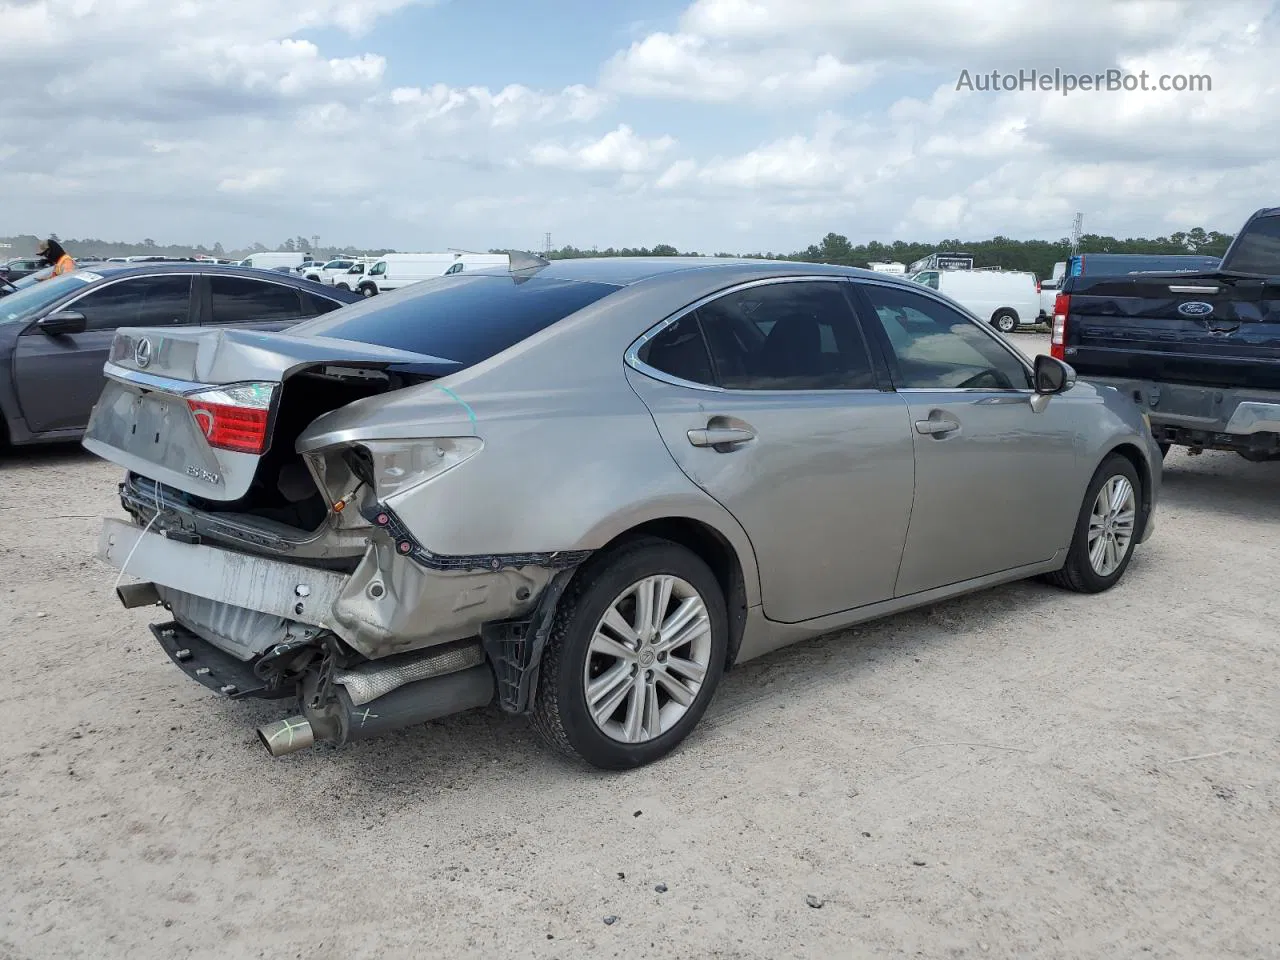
632, 356
930, 294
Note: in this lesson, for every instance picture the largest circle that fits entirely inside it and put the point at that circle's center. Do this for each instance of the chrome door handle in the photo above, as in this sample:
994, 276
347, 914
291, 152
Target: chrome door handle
720, 436
934, 428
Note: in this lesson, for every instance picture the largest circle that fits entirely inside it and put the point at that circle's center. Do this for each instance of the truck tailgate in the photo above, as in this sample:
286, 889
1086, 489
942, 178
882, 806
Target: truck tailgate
1205, 329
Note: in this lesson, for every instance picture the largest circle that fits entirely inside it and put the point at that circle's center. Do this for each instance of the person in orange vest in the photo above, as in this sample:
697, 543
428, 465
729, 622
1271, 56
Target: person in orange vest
56, 257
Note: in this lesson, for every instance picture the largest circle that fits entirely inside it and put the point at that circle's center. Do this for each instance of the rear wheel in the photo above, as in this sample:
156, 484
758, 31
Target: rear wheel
636, 651
1107, 530
1006, 321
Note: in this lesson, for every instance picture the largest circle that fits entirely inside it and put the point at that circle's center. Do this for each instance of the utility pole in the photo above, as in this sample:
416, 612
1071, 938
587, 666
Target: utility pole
546, 242
1077, 227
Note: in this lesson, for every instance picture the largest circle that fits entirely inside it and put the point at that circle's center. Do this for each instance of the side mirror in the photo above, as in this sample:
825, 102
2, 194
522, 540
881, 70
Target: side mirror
62, 323
1053, 376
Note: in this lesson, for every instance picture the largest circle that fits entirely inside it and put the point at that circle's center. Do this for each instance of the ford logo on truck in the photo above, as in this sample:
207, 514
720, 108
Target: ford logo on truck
1195, 308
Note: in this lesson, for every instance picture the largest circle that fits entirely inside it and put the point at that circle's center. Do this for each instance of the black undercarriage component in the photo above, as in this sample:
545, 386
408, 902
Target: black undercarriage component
214, 668
406, 545
515, 647
1251, 446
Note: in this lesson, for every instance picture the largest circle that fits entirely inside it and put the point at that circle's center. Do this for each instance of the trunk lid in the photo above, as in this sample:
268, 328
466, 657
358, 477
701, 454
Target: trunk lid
1210, 329
158, 413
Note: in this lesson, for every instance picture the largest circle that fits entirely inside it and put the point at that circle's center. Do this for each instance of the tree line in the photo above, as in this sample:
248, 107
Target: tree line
1037, 256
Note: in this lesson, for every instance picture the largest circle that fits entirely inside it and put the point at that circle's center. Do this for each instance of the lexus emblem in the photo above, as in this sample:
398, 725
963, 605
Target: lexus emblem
142, 353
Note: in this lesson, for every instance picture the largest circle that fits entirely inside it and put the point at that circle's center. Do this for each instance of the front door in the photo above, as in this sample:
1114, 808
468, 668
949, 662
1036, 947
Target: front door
768, 400
987, 461
59, 378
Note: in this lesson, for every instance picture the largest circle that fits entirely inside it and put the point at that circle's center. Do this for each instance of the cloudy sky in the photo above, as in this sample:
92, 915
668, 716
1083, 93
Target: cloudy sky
732, 125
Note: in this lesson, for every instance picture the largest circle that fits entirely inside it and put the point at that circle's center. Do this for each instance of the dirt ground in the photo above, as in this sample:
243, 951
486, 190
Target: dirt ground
1019, 773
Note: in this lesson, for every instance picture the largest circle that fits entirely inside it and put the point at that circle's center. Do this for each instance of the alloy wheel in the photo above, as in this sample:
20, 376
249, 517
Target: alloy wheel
1111, 525
648, 658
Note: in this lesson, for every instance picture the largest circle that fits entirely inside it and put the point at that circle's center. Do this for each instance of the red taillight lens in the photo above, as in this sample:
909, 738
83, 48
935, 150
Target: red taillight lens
1061, 308
234, 417
1038, 290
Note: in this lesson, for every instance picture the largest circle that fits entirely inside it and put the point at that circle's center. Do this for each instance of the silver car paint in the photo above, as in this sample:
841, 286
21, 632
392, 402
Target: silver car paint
569, 426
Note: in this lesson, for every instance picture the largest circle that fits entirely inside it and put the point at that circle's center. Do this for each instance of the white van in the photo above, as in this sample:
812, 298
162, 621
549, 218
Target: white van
273, 260
397, 270
1006, 298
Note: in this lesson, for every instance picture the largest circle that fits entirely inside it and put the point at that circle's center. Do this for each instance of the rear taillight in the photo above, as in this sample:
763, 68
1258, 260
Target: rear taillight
1061, 307
1038, 291
234, 417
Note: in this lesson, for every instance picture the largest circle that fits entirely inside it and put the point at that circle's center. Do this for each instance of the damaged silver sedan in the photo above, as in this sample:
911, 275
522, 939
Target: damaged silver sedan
583, 490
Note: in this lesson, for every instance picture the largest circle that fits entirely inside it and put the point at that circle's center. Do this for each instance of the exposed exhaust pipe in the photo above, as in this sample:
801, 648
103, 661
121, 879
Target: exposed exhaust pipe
286, 736
407, 705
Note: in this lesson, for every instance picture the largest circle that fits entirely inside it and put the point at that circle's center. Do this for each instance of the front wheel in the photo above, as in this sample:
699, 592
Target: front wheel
1006, 321
635, 653
368, 291
1107, 530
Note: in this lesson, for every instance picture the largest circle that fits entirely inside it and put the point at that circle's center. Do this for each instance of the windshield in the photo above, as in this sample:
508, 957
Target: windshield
30, 300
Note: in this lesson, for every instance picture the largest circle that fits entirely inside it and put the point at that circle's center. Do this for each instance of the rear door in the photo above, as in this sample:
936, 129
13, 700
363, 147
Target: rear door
232, 301
996, 481
59, 378
786, 424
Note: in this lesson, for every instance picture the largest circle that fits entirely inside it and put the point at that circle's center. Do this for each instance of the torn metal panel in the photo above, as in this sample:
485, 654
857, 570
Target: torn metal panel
285, 590
389, 605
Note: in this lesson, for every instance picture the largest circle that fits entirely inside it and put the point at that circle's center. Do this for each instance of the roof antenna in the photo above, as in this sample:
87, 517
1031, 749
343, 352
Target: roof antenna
520, 261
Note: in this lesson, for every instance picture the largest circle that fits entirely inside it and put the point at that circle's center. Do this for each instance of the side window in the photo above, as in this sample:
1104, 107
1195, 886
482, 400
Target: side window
314, 305
141, 302
679, 351
937, 348
241, 300
787, 336
456, 268
378, 269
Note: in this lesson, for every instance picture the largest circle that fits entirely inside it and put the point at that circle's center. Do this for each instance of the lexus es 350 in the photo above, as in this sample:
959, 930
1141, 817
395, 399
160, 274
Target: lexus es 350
583, 490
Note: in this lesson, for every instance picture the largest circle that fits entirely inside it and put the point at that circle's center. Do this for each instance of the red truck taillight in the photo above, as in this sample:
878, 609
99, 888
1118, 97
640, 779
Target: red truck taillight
1061, 307
234, 417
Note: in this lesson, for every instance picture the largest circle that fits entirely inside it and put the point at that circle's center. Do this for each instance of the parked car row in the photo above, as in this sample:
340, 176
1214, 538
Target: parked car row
55, 335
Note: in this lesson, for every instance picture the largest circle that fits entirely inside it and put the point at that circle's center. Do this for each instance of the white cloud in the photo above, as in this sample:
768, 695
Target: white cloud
690, 67
251, 122
619, 151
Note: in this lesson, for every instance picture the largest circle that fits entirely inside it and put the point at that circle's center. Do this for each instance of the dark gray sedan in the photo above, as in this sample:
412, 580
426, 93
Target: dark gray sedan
55, 334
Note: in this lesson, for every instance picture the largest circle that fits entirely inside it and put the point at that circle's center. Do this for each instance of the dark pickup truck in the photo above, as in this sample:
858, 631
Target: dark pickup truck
1198, 352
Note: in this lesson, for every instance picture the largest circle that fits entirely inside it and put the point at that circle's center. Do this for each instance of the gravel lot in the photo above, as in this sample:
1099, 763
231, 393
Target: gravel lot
1019, 773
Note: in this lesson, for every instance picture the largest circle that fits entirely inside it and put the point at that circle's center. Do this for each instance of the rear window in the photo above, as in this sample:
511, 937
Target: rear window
462, 318
1257, 250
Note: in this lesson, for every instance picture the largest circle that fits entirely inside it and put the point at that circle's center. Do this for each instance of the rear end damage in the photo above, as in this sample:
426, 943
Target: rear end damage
289, 574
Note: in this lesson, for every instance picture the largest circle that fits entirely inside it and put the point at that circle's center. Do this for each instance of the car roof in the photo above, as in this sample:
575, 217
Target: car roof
624, 271
116, 270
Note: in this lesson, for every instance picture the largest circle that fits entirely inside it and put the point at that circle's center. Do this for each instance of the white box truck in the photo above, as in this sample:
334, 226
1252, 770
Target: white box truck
274, 260
397, 270
1005, 298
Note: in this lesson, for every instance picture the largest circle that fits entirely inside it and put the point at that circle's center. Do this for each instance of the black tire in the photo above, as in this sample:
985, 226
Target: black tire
1077, 573
560, 713
1006, 321
368, 290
